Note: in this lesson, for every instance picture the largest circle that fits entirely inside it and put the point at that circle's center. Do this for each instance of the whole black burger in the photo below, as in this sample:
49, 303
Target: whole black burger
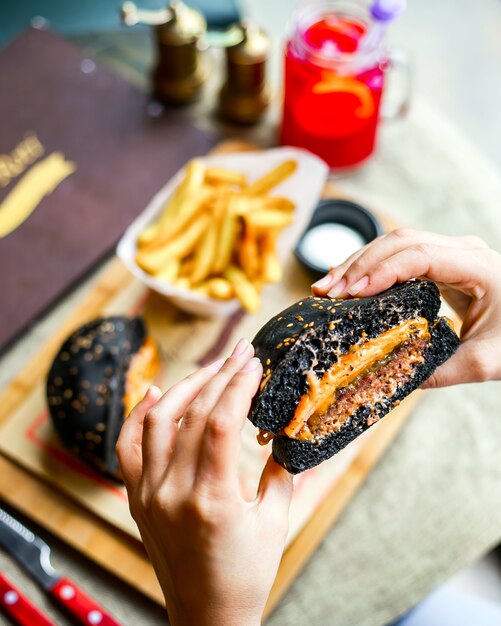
332, 368
99, 374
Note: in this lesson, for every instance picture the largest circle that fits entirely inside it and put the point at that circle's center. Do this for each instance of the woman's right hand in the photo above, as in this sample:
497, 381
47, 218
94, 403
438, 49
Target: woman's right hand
469, 275
215, 550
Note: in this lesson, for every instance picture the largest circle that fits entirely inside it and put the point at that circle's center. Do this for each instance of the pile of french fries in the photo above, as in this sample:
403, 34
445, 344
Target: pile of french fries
217, 234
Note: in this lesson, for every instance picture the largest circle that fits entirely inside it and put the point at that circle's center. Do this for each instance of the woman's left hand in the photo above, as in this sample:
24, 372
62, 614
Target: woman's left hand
215, 553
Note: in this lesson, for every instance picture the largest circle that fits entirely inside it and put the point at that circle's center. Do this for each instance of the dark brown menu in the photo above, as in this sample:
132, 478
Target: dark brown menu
81, 154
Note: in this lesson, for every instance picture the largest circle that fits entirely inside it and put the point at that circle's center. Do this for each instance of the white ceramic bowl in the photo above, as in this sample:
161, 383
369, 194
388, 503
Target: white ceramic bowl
303, 188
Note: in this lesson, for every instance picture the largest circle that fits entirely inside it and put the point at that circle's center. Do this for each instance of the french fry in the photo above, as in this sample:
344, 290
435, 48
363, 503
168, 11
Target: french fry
148, 234
269, 219
226, 240
205, 253
220, 175
201, 289
280, 204
245, 291
182, 283
170, 271
248, 251
258, 283
192, 182
243, 204
219, 288
193, 179
271, 270
195, 174
271, 179
220, 200
152, 261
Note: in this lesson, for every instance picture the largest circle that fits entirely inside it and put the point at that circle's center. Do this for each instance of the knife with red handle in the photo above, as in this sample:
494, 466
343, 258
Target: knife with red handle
17, 606
32, 553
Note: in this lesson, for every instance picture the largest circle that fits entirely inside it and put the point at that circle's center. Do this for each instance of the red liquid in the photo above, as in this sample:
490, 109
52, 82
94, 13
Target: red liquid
333, 115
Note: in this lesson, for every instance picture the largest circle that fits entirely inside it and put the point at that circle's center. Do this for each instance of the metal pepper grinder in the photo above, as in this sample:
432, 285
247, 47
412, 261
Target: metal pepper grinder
180, 70
244, 97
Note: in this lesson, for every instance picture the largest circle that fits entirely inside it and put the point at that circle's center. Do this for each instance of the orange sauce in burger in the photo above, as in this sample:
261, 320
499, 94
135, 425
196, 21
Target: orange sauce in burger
361, 357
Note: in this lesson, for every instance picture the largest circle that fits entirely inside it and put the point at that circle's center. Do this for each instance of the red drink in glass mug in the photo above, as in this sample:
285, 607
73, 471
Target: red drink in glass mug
334, 78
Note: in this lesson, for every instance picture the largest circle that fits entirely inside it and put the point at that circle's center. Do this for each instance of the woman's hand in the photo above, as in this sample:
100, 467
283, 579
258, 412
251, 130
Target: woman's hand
469, 275
215, 553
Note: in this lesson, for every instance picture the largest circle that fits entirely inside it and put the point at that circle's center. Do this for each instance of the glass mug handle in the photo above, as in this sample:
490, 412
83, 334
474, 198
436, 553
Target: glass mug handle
397, 91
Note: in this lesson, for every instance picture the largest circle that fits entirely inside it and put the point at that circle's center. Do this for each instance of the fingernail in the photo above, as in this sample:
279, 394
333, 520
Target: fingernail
251, 365
358, 286
152, 391
323, 282
240, 348
337, 289
216, 365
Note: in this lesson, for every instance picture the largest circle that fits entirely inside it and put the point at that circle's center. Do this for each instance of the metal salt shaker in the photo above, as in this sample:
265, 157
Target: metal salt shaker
180, 70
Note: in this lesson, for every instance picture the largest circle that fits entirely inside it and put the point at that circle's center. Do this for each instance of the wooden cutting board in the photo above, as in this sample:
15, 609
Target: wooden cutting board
116, 551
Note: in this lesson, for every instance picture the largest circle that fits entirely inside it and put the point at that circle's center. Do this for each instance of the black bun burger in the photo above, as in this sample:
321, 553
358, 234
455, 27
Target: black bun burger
100, 373
332, 368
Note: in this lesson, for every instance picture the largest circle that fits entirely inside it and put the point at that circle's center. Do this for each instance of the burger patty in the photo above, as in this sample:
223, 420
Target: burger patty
379, 383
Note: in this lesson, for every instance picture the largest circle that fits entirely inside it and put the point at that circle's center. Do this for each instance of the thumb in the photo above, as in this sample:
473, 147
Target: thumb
275, 487
463, 367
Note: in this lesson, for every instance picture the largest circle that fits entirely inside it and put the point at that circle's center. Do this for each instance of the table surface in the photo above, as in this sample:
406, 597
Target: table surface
433, 504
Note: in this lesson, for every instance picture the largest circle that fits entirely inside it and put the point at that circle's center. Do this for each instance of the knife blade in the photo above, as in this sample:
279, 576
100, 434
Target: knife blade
32, 553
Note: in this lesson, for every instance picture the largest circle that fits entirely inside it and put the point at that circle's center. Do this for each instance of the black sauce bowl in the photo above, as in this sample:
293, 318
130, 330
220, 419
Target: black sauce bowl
339, 211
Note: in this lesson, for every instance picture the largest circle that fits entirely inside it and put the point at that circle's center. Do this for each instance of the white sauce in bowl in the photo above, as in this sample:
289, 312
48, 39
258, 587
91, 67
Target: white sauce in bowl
328, 245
